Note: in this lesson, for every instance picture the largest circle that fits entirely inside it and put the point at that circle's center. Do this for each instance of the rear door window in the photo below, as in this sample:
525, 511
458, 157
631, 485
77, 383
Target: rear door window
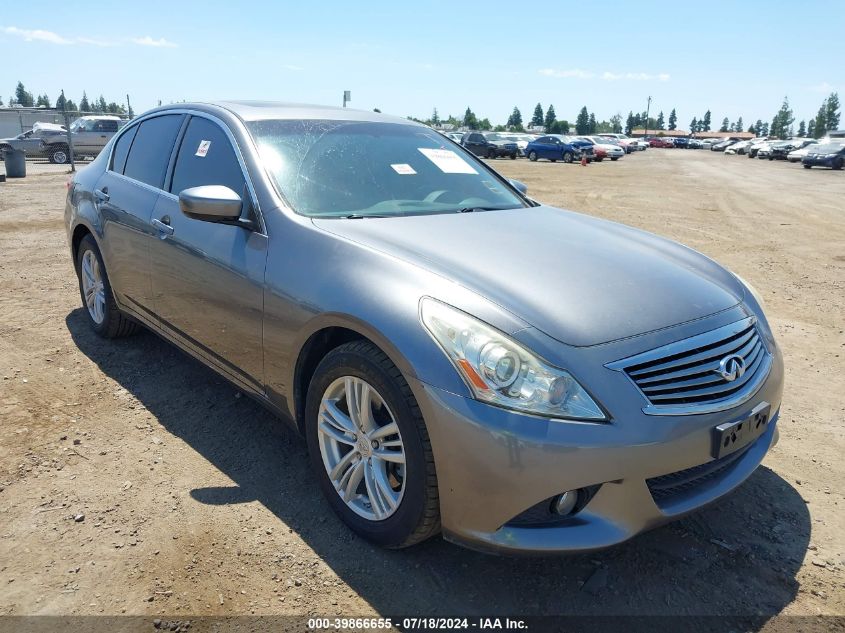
151, 149
121, 150
206, 157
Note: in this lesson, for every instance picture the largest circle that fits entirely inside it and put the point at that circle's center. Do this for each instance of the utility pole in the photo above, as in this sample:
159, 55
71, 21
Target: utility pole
128, 107
67, 131
647, 110
347, 96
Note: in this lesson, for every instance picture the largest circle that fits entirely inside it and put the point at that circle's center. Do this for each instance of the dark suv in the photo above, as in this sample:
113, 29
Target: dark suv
489, 145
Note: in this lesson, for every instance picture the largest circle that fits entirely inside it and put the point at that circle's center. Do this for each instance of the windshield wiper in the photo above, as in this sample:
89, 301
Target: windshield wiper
358, 216
473, 209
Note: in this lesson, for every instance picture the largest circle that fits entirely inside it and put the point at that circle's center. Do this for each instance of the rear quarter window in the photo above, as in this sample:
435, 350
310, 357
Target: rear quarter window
121, 150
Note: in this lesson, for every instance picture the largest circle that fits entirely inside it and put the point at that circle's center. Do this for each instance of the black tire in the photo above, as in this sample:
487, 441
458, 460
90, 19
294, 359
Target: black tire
115, 323
532, 156
418, 516
614, 158
59, 154
554, 160
491, 153
513, 156
837, 164
807, 166
567, 157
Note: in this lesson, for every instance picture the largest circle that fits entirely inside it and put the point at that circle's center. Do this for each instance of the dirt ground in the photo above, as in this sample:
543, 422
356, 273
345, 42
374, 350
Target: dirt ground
133, 480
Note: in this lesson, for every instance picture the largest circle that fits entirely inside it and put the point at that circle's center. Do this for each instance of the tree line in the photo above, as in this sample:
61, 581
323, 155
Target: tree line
782, 125
26, 99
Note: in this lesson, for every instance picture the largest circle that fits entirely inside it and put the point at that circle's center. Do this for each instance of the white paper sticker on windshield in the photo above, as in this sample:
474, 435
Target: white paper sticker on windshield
202, 150
403, 168
447, 160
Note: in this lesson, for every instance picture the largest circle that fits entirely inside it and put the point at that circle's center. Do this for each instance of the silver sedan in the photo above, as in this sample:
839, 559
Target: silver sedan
459, 357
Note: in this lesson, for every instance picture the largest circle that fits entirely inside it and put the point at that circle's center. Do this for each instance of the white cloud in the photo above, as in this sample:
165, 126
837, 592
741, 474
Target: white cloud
40, 35
36, 34
148, 41
577, 73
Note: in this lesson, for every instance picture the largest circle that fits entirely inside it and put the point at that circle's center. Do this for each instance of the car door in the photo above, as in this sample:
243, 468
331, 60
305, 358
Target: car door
83, 137
208, 278
125, 196
543, 147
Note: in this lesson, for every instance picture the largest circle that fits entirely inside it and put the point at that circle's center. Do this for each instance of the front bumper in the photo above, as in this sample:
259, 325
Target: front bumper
818, 162
493, 465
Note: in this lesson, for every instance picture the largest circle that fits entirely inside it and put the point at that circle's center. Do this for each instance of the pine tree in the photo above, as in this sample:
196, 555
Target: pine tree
515, 119
550, 118
738, 127
782, 122
673, 120
470, 120
592, 123
802, 129
23, 97
832, 112
811, 129
61, 102
661, 125
616, 124
1, 102
582, 123
821, 120
435, 119
751, 129
629, 123
758, 128
765, 129
693, 125
706, 122
84, 106
725, 125
537, 119
71, 106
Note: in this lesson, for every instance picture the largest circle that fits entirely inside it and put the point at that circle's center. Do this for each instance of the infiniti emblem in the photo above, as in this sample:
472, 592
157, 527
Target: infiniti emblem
731, 367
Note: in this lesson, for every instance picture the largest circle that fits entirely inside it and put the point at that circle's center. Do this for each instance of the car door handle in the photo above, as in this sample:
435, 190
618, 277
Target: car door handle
163, 227
102, 195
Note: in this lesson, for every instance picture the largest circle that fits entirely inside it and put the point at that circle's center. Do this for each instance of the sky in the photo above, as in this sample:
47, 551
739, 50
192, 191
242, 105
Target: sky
407, 58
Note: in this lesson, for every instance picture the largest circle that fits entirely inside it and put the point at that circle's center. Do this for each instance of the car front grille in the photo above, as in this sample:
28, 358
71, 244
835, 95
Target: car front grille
667, 488
694, 375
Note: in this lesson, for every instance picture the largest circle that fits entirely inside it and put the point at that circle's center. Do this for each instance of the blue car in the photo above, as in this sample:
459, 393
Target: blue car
830, 155
555, 147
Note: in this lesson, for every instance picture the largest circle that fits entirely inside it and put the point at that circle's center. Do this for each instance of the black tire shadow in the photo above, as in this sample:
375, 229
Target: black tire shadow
738, 557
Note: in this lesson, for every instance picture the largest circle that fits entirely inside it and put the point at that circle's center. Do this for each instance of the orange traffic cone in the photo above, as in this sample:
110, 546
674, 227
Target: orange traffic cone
583, 160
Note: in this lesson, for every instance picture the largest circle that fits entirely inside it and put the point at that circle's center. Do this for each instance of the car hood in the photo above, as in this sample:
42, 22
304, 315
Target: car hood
581, 280
503, 143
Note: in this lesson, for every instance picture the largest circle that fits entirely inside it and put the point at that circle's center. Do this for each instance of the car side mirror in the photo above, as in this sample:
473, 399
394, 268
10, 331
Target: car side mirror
211, 203
521, 187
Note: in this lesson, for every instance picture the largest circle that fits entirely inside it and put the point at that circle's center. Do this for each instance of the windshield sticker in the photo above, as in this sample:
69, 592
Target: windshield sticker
202, 150
404, 169
447, 161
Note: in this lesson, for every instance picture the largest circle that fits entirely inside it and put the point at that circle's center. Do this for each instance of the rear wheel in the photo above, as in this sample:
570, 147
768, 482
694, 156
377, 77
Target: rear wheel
807, 166
513, 156
614, 158
532, 156
104, 316
369, 447
491, 153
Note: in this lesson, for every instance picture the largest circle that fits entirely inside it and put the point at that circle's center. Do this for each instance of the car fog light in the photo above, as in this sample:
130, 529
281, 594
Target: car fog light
565, 503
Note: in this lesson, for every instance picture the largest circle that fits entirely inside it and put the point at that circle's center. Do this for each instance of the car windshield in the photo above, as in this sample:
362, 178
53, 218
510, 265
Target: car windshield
826, 149
356, 169
492, 136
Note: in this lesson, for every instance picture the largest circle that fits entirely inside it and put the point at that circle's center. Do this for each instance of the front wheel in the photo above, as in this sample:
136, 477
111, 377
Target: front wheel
567, 157
104, 317
369, 447
491, 153
532, 156
838, 164
614, 158
513, 156
807, 166
59, 155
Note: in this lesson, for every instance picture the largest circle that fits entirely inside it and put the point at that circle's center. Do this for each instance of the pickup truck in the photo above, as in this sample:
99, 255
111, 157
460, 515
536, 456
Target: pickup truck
89, 134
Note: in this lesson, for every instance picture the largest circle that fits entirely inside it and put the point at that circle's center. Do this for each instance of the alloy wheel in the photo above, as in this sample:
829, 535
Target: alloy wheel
93, 287
361, 448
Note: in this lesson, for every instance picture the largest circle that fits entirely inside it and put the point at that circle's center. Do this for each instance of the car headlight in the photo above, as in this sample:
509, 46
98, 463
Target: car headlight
500, 371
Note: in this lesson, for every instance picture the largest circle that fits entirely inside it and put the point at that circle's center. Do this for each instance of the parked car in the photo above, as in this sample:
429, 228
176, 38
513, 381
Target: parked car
752, 150
796, 155
695, 143
441, 380
611, 148
721, 146
89, 134
555, 147
489, 145
29, 141
738, 148
829, 155
455, 136
681, 142
521, 140
626, 143
780, 151
659, 141
640, 144
707, 143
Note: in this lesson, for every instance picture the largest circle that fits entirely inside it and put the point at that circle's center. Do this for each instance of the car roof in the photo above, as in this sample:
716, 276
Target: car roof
264, 110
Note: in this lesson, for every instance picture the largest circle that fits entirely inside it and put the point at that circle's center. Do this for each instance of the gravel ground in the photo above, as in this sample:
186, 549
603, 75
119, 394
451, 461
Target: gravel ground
133, 480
